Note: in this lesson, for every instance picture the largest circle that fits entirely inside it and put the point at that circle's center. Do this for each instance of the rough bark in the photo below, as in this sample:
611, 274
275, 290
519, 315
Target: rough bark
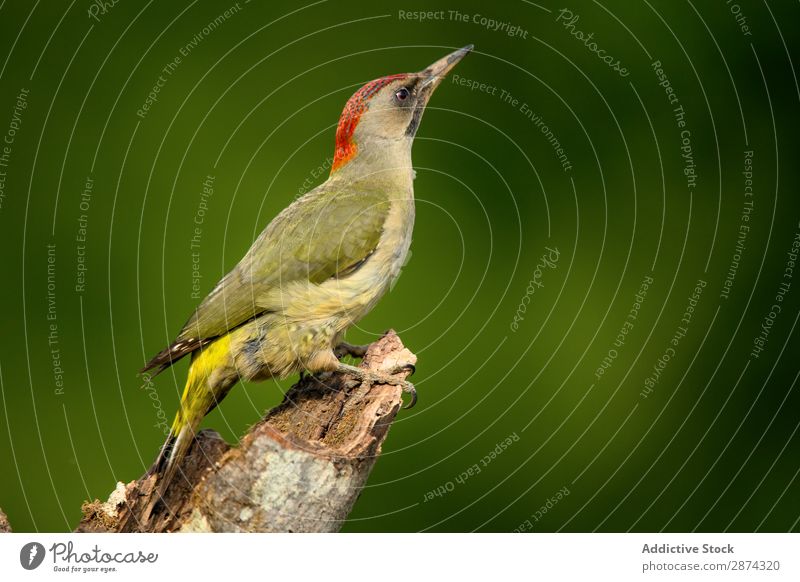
300, 469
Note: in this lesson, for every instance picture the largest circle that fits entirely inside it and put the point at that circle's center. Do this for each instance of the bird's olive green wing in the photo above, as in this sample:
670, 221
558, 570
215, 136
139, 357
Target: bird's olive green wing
322, 235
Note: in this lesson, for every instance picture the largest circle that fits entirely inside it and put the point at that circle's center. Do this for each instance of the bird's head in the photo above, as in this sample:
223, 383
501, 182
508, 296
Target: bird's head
388, 110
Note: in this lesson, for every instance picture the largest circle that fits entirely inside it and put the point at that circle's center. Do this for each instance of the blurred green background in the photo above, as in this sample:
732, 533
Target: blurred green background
253, 103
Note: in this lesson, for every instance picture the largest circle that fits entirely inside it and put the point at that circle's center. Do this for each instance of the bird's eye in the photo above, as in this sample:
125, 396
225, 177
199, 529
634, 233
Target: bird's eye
402, 94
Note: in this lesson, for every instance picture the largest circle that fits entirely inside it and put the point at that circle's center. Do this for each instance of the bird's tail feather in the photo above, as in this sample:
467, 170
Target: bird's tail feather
174, 449
195, 403
198, 399
158, 466
168, 461
171, 354
172, 453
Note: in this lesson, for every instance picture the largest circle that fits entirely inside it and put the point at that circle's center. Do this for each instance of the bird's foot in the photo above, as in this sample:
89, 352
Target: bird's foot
384, 378
347, 349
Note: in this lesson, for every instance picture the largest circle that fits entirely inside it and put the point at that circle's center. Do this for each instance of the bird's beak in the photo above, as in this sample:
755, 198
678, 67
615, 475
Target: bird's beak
429, 79
433, 75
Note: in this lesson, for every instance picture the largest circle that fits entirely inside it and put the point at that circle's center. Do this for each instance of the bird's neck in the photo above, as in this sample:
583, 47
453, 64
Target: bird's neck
380, 160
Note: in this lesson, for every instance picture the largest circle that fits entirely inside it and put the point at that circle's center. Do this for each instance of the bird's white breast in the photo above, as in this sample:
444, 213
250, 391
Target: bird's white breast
360, 291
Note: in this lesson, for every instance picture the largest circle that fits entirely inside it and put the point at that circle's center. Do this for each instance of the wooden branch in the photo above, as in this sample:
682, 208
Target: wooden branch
300, 469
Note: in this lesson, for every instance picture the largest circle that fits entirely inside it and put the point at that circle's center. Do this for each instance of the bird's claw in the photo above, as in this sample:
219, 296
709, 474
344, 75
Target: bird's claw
384, 378
407, 367
346, 349
409, 387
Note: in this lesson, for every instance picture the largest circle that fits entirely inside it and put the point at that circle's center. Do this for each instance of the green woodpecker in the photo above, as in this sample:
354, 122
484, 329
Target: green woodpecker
319, 267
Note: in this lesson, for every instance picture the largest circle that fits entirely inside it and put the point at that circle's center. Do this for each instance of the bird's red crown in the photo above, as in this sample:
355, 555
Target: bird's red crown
356, 106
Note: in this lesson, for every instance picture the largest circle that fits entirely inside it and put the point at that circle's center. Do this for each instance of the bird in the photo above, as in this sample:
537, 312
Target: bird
318, 267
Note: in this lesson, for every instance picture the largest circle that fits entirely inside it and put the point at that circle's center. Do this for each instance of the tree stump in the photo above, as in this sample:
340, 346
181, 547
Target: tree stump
300, 469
